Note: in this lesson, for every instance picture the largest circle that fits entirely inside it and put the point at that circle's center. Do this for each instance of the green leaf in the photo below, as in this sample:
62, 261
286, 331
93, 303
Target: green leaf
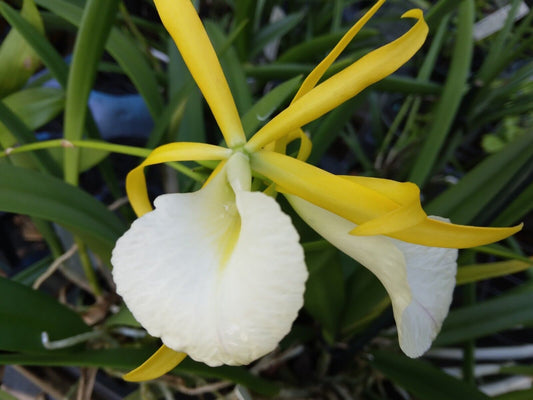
29, 192
440, 10
326, 130
308, 50
452, 95
18, 60
268, 104
35, 38
521, 206
366, 299
128, 358
479, 272
274, 31
462, 202
122, 317
422, 379
244, 14
14, 126
29, 274
25, 313
518, 395
486, 318
34, 108
324, 289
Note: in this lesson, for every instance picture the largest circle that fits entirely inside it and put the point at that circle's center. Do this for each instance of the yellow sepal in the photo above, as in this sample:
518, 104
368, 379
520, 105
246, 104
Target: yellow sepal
435, 233
184, 25
182, 151
409, 213
314, 76
344, 85
162, 361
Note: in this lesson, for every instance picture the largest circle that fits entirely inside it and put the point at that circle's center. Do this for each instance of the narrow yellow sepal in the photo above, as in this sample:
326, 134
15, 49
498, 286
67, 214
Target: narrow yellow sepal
314, 76
182, 151
162, 361
344, 85
435, 233
184, 25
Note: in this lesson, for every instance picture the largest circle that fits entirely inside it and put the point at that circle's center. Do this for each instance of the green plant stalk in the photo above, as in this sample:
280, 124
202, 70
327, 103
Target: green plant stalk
350, 138
244, 14
96, 23
501, 251
454, 88
88, 144
88, 268
25, 135
338, 7
400, 116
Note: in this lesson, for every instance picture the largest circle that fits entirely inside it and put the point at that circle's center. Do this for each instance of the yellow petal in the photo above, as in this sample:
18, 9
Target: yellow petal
350, 200
429, 232
184, 25
162, 361
443, 234
410, 213
317, 73
183, 151
344, 85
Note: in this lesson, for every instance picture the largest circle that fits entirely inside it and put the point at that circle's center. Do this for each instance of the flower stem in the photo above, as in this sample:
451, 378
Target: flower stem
98, 145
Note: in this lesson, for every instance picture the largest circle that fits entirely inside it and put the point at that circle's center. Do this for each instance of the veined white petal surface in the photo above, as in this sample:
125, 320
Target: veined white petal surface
216, 274
419, 279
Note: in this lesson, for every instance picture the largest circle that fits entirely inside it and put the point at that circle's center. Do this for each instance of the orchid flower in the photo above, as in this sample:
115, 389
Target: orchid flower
219, 274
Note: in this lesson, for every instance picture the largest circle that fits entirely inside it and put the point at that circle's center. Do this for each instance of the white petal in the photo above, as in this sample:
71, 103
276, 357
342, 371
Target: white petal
216, 275
419, 279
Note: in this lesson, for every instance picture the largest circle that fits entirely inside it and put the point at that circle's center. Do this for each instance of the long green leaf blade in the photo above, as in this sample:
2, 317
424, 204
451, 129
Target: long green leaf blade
485, 318
422, 379
25, 313
452, 95
32, 193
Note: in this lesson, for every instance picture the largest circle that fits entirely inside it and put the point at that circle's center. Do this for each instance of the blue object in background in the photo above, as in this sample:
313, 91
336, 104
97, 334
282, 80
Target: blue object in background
117, 116
120, 116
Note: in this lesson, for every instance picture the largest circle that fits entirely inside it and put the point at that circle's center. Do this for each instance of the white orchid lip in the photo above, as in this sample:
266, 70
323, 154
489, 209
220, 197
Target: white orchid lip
218, 274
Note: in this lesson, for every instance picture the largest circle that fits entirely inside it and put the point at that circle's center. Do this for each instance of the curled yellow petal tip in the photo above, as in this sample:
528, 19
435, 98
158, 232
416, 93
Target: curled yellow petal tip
414, 13
162, 361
